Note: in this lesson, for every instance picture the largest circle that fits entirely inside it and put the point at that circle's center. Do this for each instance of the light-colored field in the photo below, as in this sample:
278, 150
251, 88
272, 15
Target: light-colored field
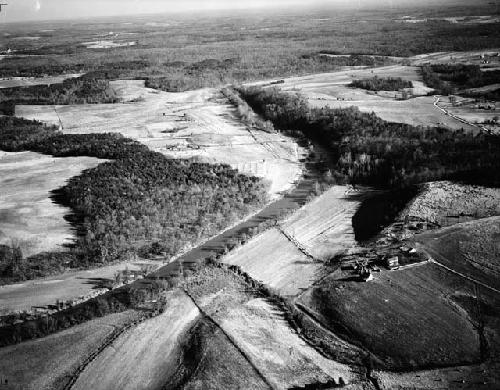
485, 377
259, 329
277, 351
182, 125
29, 81
145, 356
330, 89
105, 44
67, 286
47, 363
321, 229
446, 203
324, 226
409, 318
462, 57
275, 261
27, 214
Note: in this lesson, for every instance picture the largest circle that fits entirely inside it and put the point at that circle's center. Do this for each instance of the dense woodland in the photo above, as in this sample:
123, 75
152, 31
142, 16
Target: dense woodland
140, 203
372, 151
194, 52
450, 79
72, 91
382, 84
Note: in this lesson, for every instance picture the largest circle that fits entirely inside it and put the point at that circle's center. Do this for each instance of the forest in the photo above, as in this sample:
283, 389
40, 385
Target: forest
382, 84
72, 91
369, 150
447, 79
138, 204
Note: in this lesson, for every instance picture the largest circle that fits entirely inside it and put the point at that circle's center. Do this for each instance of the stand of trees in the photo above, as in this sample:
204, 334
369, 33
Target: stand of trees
140, 203
382, 84
447, 79
372, 151
71, 91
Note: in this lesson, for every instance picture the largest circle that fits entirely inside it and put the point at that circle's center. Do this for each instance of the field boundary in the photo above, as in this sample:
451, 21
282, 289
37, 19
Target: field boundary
233, 342
106, 343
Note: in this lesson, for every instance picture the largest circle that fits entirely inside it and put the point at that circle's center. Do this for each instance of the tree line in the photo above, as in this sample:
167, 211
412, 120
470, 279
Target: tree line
140, 203
71, 91
382, 84
448, 79
369, 150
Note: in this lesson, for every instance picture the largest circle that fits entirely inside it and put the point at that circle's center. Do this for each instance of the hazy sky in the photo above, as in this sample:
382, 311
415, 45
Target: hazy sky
24, 10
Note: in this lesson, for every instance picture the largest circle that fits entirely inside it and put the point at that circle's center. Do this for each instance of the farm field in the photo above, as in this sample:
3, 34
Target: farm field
324, 226
406, 318
215, 363
274, 260
470, 248
70, 285
29, 81
446, 203
331, 89
28, 217
190, 124
146, 355
48, 363
260, 330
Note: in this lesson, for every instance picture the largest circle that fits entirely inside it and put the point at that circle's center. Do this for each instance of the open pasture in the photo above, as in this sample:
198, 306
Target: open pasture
145, 356
29, 81
191, 124
470, 248
324, 226
28, 216
48, 363
67, 286
406, 317
260, 330
331, 89
274, 260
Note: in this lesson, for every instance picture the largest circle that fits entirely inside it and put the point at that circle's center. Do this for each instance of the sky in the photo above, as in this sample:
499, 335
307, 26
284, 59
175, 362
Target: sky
28, 10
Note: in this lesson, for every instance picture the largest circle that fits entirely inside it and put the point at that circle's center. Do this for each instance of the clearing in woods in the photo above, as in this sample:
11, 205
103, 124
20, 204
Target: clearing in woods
28, 216
197, 124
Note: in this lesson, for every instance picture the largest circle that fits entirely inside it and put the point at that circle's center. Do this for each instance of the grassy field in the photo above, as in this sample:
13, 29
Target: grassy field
49, 362
331, 89
197, 124
260, 330
471, 248
28, 216
11, 82
324, 226
145, 356
66, 286
274, 260
404, 317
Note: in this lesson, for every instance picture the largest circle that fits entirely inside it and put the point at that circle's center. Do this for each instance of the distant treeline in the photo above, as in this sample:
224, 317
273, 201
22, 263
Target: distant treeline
447, 79
372, 151
140, 203
382, 84
71, 91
